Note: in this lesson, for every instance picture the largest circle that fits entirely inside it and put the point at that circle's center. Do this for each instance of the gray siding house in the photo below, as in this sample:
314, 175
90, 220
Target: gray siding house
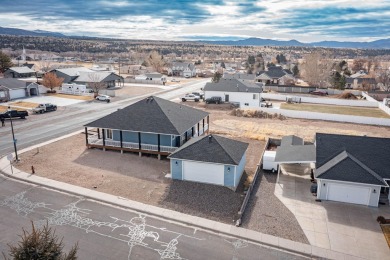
13, 89
210, 159
19, 72
152, 125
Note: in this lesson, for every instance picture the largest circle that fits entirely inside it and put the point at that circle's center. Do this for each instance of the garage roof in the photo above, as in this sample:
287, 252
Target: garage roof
11, 83
293, 150
213, 149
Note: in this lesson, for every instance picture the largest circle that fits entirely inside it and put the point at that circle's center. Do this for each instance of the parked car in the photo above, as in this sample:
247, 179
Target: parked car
15, 114
190, 97
42, 108
215, 100
319, 92
200, 94
175, 80
103, 98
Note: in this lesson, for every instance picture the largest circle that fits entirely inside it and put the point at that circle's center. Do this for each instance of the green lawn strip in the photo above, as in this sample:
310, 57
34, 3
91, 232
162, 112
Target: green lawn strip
341, 110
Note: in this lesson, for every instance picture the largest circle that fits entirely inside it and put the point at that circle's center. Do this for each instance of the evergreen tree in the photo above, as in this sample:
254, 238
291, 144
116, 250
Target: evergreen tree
295, 70
217, 76
5, 62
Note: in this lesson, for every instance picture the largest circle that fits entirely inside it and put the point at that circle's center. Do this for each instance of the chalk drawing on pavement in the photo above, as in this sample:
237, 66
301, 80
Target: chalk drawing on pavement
133, 232
237, 244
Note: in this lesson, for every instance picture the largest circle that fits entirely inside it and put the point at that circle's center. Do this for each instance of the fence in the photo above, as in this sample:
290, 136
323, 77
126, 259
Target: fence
328, 117
380, 105
143, 81
298, 89
326, 101
250, 189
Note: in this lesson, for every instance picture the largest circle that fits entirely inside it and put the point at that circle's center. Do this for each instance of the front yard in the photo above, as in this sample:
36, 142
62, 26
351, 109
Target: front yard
340, 110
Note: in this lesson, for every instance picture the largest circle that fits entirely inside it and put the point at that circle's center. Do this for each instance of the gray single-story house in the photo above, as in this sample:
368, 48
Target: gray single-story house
353, 169
152, 125
19, 72
210, 159
11, 88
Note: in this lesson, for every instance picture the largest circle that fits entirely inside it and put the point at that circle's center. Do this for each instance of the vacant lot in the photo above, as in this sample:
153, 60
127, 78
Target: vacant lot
70, 96
342, 110
131, 91
23, 104
136, 178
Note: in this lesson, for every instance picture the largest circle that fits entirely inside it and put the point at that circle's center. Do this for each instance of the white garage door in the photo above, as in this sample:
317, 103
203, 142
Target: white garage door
203, 172
17, 93
348, 193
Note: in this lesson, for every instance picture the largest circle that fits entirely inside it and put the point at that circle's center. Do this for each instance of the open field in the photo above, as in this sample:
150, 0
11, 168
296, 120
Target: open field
26, 105
70, 96
341, 110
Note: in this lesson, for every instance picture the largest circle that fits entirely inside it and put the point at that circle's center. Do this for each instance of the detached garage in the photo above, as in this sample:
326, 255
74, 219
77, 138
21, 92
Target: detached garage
210, 159
11, 89
352, 169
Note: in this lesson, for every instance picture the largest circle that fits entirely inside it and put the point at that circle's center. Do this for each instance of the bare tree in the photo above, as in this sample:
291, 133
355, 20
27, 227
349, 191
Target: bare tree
359, 64
50, 80
383, 78
45, 63
95, 82
316, 69
156, 61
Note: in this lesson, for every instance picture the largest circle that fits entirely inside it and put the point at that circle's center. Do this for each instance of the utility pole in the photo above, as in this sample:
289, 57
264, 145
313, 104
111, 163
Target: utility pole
13, 134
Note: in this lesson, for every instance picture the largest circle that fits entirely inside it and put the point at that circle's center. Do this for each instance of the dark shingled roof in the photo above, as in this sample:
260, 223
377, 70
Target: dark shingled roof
218, 149
274, 72
233, 85
12, 83
362, 153
153, 115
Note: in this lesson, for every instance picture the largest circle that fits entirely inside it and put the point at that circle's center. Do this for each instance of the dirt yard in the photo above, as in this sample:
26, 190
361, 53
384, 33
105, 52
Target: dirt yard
136, 178
130, 91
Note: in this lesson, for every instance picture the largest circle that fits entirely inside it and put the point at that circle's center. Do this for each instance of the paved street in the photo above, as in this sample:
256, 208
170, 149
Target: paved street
29, 132
105, 232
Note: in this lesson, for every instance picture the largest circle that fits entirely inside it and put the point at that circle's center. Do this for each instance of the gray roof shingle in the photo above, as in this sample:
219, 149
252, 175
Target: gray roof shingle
242, 76
22, 70
291, 140
12, 83
233, 85
153, 115
368, 153
216, 149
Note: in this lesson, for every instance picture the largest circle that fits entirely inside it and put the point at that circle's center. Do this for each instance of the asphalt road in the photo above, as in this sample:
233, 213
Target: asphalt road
106, 232
39, 128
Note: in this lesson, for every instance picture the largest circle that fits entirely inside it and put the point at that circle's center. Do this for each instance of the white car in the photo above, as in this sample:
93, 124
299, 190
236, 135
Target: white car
175, 80
103, 98
190, 97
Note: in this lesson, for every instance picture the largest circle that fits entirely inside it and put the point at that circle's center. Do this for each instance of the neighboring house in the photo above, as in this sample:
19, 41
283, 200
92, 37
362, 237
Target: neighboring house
152, 125
244, 93
12, 89
183, 69
19, 72
152, 76
82, 75
352, 169
275, 76
107, 78
210, 159
366, 83
240, 76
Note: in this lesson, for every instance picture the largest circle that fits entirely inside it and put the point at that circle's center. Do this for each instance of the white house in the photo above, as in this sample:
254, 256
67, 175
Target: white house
152, 76
245, 93
210, 159
183, 69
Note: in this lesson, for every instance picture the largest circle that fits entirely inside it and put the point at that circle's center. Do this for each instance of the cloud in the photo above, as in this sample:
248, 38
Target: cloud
305, 20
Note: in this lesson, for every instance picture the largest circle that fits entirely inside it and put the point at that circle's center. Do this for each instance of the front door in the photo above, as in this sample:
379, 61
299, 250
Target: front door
226, 98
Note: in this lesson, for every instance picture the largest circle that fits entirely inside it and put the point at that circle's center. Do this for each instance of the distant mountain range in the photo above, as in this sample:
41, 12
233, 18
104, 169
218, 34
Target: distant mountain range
21, 32
378, 44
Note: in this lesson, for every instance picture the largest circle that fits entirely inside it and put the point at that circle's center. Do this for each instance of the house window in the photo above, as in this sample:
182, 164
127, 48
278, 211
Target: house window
254, 96
108, 133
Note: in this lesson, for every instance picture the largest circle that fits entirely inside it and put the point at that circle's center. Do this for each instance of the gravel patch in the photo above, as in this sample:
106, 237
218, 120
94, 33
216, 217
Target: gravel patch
267, 214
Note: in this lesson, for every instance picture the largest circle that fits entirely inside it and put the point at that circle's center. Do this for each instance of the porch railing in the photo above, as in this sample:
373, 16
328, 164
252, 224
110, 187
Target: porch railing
112, 143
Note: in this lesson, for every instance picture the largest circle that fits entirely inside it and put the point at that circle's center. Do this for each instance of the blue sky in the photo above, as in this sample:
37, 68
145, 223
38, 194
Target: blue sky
304, 20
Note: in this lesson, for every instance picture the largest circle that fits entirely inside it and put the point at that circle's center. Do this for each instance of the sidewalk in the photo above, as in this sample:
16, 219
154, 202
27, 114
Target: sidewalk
170, 215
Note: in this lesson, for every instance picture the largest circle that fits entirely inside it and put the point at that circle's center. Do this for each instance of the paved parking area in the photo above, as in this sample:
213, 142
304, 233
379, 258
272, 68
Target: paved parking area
340, 227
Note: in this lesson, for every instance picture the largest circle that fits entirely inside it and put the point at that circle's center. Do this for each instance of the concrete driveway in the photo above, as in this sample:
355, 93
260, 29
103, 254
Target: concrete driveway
340, 227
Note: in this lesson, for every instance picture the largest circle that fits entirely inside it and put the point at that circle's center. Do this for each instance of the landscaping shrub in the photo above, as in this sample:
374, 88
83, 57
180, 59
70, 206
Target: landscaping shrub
255, 114
381, 220
347, 95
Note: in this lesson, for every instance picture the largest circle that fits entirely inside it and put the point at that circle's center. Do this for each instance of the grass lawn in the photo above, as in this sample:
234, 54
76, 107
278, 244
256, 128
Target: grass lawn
386, 232
342, 110
70, 96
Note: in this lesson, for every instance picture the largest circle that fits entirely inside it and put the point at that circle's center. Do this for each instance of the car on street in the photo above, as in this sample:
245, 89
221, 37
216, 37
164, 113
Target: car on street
42, 108
175, 80
319, 92
214, 100
14, 114
103, 98
190, 97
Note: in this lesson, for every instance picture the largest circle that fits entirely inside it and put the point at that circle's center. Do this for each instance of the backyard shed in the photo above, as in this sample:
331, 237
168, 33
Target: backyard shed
210, 159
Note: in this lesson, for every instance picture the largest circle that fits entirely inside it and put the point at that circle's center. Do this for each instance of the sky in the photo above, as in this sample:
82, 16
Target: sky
303, 20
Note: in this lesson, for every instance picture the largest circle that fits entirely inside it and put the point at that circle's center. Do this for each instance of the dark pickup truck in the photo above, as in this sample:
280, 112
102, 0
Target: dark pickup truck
14, 114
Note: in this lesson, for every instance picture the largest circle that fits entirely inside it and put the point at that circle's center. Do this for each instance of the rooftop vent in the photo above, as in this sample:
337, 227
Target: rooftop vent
210, 138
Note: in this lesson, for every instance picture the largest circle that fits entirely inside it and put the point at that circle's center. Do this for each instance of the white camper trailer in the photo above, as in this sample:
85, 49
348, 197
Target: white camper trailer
269, 161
